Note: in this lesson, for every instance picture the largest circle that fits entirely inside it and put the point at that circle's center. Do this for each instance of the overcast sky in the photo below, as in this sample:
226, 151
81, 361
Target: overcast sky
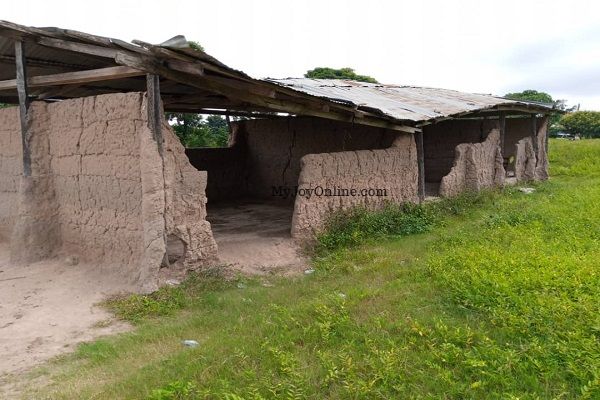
476, 46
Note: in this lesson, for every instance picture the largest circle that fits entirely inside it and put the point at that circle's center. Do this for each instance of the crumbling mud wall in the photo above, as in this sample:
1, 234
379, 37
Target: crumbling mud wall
36, 230
11, 168
529, 162
476, 166
276, 146
185, 211
525, 160
440, 140
375, 176
104, 193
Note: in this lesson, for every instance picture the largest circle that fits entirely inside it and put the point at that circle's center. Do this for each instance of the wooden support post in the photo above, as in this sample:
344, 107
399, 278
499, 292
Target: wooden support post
502, 127
155, 118
154, 109
546, 134
534, 137
23, 104
421, 163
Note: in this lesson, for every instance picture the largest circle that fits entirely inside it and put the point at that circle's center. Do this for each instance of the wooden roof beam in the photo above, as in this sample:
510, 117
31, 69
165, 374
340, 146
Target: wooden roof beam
77, 77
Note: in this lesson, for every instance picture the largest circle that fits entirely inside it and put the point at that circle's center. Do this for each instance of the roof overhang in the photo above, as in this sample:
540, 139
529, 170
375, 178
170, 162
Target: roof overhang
64, 64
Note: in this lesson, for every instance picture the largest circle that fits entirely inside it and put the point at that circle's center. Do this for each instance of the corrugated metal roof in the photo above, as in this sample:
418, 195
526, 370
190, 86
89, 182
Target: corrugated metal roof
407, 103
54, 50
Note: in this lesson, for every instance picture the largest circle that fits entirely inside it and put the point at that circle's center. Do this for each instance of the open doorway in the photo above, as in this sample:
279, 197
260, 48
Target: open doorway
250, 225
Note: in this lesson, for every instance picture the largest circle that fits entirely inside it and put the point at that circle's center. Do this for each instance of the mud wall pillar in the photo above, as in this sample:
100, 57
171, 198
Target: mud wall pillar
35, 233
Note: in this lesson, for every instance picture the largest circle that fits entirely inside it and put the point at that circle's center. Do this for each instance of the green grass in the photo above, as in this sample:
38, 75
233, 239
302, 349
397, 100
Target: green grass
488, 296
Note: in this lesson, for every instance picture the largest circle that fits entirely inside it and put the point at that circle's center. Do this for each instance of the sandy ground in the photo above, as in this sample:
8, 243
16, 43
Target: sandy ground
46, 309
254, 237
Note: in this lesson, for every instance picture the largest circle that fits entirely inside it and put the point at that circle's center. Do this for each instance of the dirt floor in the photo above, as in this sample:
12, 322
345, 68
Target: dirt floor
254, 237
46, 309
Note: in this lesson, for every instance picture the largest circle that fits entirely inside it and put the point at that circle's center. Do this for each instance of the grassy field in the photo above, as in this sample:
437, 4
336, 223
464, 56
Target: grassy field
489, 296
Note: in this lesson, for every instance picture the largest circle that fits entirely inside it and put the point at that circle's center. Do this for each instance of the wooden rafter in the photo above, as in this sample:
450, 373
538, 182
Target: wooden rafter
78, 77
192, 70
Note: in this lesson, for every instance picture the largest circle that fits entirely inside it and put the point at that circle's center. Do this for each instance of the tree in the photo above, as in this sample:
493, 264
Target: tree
543, 97
582, 123
195, 131
531, 95
342, 73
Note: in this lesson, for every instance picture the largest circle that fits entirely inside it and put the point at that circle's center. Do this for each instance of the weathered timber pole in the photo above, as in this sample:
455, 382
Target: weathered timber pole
36, 233
546, 134
421, 163
534, 136
21, 67
155, 118
502, 127
154, 109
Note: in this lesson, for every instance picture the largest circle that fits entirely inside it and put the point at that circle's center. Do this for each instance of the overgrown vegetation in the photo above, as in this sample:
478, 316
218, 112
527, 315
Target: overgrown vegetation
348, 228
497, 298
354, 226
341, 73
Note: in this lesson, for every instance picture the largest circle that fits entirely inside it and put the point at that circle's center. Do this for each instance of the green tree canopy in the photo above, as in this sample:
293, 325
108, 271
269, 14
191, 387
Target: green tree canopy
531, 95
582, 123
342, 73
196, 131
543, 97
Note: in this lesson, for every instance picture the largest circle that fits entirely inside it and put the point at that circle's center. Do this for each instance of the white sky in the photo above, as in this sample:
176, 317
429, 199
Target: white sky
477, 46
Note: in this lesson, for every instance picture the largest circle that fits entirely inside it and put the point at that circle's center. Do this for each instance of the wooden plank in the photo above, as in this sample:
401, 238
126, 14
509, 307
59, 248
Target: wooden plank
421, 165
187, 67
226, 113
84, 48
78, 77
21, 66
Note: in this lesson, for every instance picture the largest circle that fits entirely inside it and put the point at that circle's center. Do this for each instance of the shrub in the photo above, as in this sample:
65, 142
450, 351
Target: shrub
353, 226
177, 390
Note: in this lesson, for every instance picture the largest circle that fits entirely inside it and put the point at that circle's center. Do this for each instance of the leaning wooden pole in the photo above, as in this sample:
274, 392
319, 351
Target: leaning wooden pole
155, 119
154, 109
421, 164
21, 67
502, 127
534, 136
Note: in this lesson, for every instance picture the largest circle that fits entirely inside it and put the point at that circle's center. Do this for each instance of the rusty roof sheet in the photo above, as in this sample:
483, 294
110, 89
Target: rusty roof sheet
407, 103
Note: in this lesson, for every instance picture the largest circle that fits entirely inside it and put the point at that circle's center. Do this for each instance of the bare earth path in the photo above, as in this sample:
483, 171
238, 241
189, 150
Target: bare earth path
46, 309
